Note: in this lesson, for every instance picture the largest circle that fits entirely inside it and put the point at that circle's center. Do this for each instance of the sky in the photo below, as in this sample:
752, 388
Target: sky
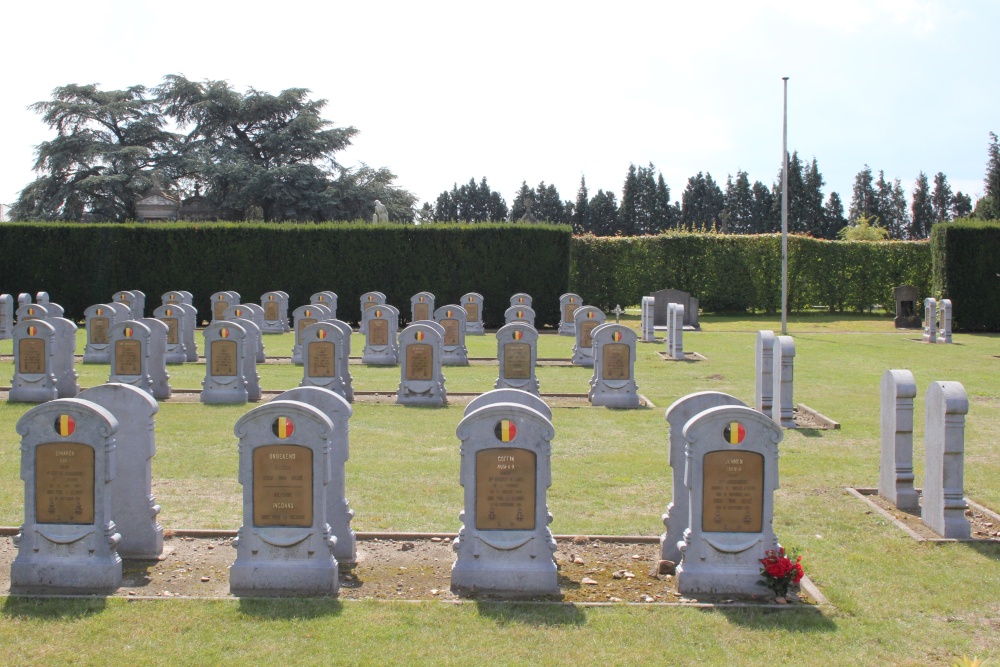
553, 91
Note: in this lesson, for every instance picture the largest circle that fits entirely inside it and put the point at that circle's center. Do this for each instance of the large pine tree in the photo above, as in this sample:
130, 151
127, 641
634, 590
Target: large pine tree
921, 209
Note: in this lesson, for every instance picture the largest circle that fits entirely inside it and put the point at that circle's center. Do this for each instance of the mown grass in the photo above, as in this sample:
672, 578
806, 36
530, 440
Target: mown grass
896, 601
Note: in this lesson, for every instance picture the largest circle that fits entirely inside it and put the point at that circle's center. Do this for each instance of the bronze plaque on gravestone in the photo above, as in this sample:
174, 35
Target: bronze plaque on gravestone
321, 358
450, 332
271, 310
616, 358
31, 356
585, 329
370, 304
219, 309
733, 492
419, 362
472, 309
505, 489
282, 486
128, 357
223, 358
517, 361
303, 323
98, 330
568, 311
378, 332
421, 311
172, 337
64, 483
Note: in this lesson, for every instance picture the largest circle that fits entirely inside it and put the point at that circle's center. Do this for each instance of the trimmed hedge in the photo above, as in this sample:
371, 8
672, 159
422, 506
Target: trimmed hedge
741, 272
83, 264
967, 271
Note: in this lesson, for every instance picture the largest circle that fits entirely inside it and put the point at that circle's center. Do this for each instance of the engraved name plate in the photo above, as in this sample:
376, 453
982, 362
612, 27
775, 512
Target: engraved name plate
172, 333
64, 483
585, 329
505, 489
473, 311
303, 323
219, 309
224, 357
421, 311
568, 311
378, 332
271, 310
450, 332
282, 486
733, 492
98, 330
321, 357
31, 356
517, 361
419, 362
128, 357
616, 358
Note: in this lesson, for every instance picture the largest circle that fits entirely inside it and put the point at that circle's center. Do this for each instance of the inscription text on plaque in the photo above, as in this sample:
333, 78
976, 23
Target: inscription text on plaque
64, 483
517, 361
128, 357
31, 356
733, 492
224, 358
419, 362
282, 486
616, 358
378, 332
505, 489
321, 359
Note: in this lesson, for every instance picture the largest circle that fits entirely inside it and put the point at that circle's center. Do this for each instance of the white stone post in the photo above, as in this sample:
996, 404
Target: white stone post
895, 482
946, 405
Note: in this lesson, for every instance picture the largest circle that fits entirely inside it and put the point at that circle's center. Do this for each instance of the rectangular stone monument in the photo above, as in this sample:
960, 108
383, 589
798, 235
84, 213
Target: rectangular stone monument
504, 546
248, 312
285, 545
159, 378
251, 354
6, 316
322, 352
943, 495
176, 321
907, 316
421, 381
98, 320
930, 320
68, 541
129, 355
568, 303
64, 357
453, 318
304, 316
783, 374
524, 314
221, 301
675, 331
34, 380
665, 296
944, 328
473, 304
613, 383
521, 300
225, 380
133, 507
380, 327
371, 299
763, 374
646, 320
328, 299
732, 473
275, 306
895, 481
586, 319
421, 306
517, 354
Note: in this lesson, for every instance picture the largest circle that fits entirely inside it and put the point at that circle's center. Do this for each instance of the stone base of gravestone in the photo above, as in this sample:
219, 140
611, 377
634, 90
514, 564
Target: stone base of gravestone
278, 579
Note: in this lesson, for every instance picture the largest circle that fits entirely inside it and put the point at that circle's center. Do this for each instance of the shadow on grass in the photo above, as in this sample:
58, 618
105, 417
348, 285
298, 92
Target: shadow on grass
811, 432
537, 614
801, 618
52, 608
985, 548
269, 609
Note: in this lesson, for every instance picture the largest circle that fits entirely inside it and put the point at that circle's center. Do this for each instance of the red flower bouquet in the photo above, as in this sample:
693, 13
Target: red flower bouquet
779, 571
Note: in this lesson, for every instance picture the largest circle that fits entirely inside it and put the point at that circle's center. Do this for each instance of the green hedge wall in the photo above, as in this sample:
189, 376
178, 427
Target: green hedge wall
83, 264
967, 271
737, 272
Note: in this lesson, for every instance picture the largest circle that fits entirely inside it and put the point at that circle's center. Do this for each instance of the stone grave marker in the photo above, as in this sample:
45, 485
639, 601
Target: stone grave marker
23, 298
568, 303
421, 380
646, 320
133, 507
328, 299
159, 378
667, 296
587, 318
371, 299
613, 383
907, 316
338, 510
763, 372
731, 459
677, 517
176, 320
121, 310
345, 370
53, 309
517, 352
304, 316
783, 374
895, 480
285, 545
6, 316
525, 398
34, 380
97, 321
129, 355
524, 314
521, 299
131, 300
275, 306
189, 330
42, 298
421, 306
943, 495
944, 328
930, 320
225, 378
452, 318
380, 327
245, 312
177, 296
32, 311
221, 301
322, 357
251, 352
68, 541
505, 546
473, 304
64, 357
675, 331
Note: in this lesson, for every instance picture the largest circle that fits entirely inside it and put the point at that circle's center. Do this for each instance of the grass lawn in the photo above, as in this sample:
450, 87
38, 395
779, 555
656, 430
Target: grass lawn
895, 601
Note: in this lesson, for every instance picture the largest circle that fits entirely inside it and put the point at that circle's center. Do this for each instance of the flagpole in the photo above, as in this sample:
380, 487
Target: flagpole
784, 215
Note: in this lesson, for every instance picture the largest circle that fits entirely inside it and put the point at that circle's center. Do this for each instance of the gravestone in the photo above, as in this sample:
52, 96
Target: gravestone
666, 296
176, 320
322, 362
97, 322
371, 299
159, 378
525, 398
675, 331
246, 312
134, 300
421, 306
221, 301
251, 352
23, 298
568, 303
188, 331
129, 355
380, 327
944, 328
646, 320
64, 357
285, 545
6, 316
328, 299
930, 320
586, 319
54, 309
345, 369
338, 510
895, 480
121, 310
275, 305
731, 457
677, 517
42, 298
176, 297
133, 507
613, 383
34, 380
524, 314
68, 541
943, 495
521, 299
783, 374
452, 318
517, 354
763, 372
907, 316
473, 304
505, 546
32, 311
421, 381
304, 316
225, 380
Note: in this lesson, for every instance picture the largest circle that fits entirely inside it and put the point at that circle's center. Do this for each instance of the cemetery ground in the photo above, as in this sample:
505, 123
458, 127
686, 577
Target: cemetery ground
892, 599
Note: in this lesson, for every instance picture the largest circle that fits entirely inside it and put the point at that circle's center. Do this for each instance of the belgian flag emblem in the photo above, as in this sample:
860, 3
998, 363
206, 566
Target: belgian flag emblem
505, 430
616, 336
223, 332
520, 313
734, 433
309, 313
239, 312
321, 334
371, 298
128, 332
100, 311
520, 299
322, 298
421, 299
283, 427
418, 335
590, 315
170, 313
518, 335
447, 313
270, 297
222, 297
65, 425
172, 297
378, 313
32, 331
572, 299
471, 299
31, 311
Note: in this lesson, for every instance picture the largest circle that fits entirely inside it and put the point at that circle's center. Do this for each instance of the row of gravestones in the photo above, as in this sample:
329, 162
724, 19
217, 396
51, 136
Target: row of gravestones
44, 349
937, 321
86, 466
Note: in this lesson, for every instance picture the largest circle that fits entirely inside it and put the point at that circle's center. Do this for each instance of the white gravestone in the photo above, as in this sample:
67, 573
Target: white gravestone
525, 398
221, 301
380, 326
133, 507
943, 495
517, 354
783, 374
646, 320
677, 517
304, 316
275, 306
895, 480
177, 296
473, 304
586, 318
245, 312
452, 318
97, 322
54, 309
568, 303
613, 383
122, 311
930, 320
31, 311
23, 298
129, 357
421, 380
763, 371
6, 316
345, 370
944, 313
371, 299
177, 322
225, 380
421, 307
505, 546
68, 541
285, 545
521, 299
250, 357
675, 331
34, 380
731, 461
64, 357
322, 351
190, 327
328, 299
158, 375
519, 313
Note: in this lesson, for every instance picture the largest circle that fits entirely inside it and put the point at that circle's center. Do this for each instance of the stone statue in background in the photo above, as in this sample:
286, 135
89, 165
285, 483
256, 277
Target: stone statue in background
381, 214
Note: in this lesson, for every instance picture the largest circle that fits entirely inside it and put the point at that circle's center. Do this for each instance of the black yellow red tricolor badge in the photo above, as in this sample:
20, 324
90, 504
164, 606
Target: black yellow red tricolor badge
32, 331
128, 332
321, 334
378, 313
505, 430
518, 335
224, 332
283, 427
65, 425
734, 433
616, 336
419, 335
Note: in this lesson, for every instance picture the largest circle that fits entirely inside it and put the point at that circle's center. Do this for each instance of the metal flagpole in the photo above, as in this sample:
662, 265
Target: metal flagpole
784, 215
